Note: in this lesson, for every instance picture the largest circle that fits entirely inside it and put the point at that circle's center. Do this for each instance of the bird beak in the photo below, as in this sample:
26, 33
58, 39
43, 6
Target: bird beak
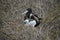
24, 12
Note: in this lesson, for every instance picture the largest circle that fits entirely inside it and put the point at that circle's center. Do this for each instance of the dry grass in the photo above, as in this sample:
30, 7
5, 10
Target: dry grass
11, 25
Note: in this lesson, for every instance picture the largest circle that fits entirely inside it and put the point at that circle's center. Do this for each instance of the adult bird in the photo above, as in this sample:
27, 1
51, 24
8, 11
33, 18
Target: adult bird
31, 19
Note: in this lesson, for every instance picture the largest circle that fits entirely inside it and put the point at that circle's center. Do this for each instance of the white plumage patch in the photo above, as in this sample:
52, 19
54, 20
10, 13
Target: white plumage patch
29, 22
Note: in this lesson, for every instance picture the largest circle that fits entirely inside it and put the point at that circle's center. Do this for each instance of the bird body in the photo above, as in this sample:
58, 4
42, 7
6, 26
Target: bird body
29, 22
31, 19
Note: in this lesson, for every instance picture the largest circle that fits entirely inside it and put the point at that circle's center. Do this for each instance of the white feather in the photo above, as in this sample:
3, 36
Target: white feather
30, 23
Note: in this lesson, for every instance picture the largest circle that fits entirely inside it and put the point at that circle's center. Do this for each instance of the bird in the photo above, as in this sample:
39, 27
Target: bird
31, 19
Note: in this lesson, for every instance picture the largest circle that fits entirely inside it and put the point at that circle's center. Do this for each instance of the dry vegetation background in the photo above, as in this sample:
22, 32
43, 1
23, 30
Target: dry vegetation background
11, 25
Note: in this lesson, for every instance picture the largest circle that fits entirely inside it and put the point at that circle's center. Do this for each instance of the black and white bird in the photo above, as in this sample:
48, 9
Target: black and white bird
31, 19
